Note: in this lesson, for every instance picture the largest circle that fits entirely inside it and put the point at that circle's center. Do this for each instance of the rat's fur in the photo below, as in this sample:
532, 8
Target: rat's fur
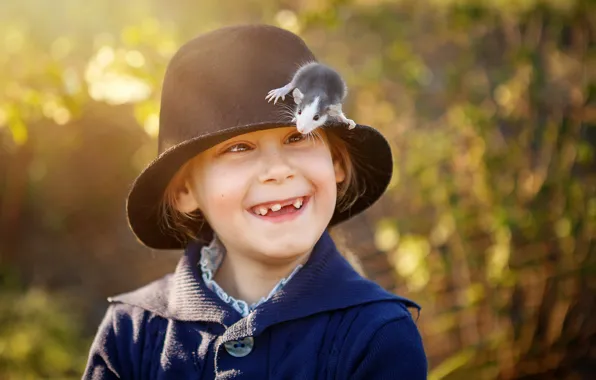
318, 92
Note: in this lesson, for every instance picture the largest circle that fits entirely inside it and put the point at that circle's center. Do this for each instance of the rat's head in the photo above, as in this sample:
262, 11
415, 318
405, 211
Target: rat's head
311, 111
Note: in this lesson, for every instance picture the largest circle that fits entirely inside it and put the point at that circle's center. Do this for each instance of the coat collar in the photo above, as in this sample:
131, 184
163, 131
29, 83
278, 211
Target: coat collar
326, 282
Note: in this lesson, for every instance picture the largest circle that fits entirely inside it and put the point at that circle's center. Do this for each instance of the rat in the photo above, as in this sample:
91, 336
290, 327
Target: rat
318, 92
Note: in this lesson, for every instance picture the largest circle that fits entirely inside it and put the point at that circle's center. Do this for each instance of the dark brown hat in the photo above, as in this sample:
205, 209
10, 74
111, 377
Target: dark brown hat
214, 89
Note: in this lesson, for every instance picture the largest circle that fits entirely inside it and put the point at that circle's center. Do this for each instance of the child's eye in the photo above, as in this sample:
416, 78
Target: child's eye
237, 148
295, 138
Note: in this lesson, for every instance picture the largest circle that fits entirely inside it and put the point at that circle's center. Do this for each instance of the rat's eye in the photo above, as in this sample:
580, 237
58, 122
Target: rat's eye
299, 112
316, 117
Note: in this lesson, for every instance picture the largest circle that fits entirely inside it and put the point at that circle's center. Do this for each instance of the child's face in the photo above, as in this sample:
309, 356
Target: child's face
234, 182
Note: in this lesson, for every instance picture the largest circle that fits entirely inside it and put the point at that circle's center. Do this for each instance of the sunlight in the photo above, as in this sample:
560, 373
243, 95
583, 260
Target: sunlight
109, 85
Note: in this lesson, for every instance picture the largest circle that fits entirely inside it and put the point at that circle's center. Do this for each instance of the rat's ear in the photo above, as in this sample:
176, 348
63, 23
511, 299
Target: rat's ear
185, 199
298, 96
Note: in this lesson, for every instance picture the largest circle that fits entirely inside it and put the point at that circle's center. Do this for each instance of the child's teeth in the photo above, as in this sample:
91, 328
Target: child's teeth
276, 207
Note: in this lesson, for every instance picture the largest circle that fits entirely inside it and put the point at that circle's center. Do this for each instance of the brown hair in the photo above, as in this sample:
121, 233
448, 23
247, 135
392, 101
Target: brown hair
177, 223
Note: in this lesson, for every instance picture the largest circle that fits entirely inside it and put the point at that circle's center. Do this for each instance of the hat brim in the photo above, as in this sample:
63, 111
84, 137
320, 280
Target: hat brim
368, 148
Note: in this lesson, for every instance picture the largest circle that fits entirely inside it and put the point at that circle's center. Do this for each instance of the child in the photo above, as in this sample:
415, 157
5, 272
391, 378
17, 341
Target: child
261, 292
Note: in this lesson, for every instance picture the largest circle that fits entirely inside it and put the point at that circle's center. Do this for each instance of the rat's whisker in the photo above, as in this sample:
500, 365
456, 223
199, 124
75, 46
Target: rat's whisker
312, 137
287, 107
319, 136
284, 115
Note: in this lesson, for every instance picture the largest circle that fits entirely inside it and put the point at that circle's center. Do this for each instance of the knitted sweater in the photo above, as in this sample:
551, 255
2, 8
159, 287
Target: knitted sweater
327, 323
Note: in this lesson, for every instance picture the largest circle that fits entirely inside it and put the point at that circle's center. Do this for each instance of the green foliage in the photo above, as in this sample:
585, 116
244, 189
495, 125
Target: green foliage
40, 336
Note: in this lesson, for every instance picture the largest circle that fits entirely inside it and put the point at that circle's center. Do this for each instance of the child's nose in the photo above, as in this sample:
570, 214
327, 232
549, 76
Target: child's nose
276, 169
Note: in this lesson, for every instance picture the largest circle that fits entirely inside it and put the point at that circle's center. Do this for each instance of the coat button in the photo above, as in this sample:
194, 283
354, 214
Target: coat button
240, 348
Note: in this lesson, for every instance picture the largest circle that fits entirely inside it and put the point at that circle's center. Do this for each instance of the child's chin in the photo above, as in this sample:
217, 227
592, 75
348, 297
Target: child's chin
287, 247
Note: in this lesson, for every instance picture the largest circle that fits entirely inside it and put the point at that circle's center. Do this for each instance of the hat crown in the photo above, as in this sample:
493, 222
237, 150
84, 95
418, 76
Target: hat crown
219, 80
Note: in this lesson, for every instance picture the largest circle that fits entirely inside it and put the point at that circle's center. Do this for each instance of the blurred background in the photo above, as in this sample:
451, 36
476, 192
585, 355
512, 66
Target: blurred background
489, 223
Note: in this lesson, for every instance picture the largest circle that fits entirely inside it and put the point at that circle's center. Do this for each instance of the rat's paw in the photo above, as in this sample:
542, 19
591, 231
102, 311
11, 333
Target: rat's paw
273, 95
351, 124
276, 94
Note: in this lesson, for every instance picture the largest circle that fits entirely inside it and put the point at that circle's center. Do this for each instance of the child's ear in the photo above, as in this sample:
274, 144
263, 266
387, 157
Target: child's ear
338, 167
185, 199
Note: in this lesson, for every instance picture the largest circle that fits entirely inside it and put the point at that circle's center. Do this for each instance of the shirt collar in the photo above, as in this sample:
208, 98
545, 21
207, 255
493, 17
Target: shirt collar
326, 282
211, 257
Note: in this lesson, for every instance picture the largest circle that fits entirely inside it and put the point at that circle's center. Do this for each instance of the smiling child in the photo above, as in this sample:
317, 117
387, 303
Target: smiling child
261, 291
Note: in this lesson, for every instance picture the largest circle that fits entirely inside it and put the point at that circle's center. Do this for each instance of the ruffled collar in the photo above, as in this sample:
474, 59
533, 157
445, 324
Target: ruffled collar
212, 256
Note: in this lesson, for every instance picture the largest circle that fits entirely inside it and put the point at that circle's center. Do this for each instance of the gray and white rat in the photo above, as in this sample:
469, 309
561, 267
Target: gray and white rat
318, 92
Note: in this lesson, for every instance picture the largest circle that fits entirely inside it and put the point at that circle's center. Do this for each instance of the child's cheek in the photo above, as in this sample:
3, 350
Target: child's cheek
319, 166
226, 193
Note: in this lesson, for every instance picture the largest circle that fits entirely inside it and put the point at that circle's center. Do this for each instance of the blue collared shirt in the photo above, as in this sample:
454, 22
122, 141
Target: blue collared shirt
327, 323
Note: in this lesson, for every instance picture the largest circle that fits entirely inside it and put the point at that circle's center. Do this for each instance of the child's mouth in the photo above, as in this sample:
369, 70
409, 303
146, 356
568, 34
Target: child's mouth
280, 211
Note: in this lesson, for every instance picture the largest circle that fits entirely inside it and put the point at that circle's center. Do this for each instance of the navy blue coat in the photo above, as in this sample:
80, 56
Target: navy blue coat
328, 322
